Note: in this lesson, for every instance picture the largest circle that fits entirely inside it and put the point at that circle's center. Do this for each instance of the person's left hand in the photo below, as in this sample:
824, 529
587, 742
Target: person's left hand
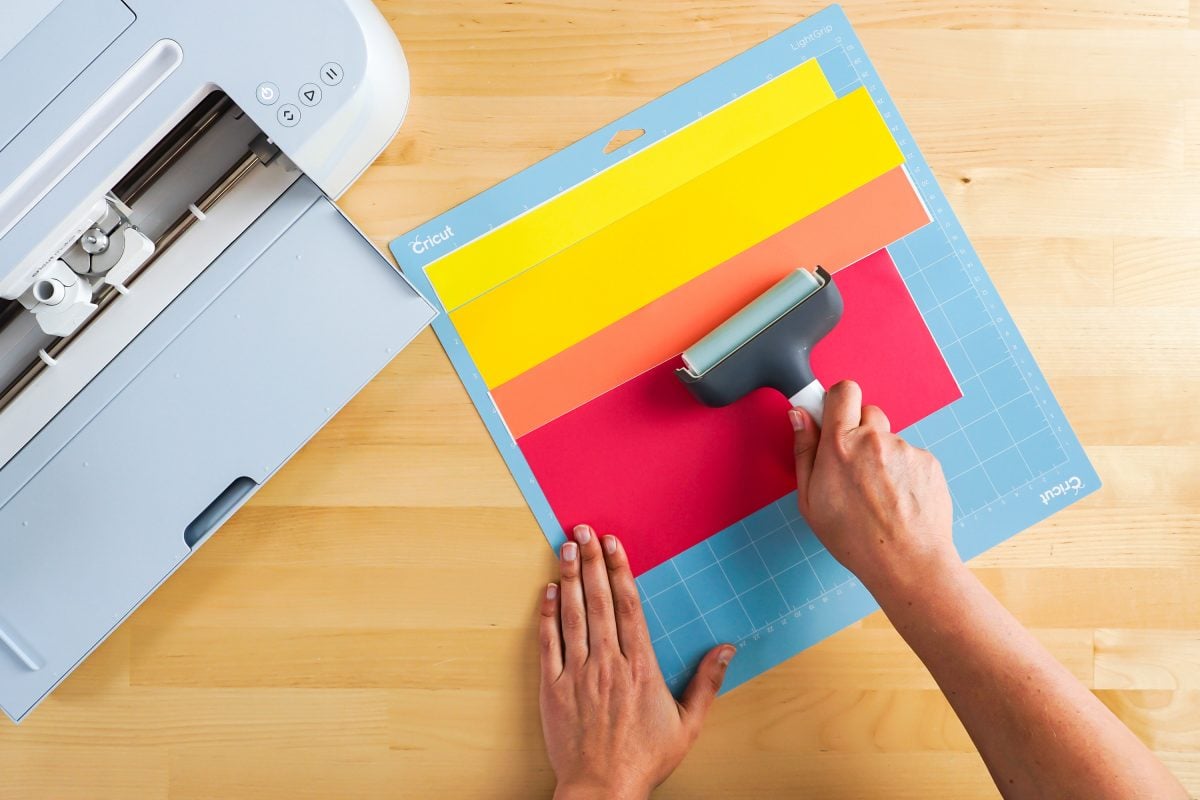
612, 728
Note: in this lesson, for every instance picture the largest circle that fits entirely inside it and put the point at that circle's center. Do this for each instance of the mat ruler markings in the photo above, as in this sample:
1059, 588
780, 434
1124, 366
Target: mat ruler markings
935, 200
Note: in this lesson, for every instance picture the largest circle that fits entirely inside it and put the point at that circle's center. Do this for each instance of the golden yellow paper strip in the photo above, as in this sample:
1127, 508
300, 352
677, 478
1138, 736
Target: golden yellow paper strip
477, 267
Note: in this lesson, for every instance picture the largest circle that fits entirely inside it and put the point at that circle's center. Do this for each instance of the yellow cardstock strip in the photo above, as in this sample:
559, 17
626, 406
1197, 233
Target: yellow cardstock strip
691, 229
481, 265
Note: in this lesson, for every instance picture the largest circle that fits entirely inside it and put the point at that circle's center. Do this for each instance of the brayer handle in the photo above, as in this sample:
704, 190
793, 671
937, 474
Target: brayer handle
812, 399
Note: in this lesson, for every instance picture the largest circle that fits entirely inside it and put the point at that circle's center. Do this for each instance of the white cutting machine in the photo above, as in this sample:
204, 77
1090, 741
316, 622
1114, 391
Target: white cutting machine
181, 304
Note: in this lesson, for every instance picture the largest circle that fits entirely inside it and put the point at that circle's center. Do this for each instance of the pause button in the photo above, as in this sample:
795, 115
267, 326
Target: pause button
332, 74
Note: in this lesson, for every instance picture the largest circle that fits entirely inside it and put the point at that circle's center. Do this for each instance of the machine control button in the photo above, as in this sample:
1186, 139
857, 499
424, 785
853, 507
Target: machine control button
332, 74
268, 93
289, 115
310, 94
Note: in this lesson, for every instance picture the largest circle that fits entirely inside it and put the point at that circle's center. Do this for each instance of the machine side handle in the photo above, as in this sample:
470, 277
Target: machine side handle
218, 510
24, 653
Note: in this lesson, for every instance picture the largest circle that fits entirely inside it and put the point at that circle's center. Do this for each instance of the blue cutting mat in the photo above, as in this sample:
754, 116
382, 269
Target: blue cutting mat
766, 584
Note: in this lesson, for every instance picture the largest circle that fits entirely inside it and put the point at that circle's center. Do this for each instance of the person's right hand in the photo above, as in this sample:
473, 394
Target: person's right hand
879, 505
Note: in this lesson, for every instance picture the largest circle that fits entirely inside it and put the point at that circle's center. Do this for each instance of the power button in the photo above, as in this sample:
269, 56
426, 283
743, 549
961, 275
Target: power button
267, 93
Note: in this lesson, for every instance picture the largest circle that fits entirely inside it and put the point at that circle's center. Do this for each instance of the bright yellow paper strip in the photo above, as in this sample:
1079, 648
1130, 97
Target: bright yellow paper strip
470, 271
677, 237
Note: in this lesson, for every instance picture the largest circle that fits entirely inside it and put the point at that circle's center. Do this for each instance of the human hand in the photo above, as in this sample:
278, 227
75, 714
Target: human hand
612, 728
879, 505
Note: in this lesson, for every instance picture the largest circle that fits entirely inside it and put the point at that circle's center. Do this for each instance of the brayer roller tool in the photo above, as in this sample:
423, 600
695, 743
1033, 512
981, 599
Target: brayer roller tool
768, 343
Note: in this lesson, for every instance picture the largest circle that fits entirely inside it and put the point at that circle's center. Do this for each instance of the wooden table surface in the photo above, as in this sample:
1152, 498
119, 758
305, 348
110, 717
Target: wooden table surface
363, 627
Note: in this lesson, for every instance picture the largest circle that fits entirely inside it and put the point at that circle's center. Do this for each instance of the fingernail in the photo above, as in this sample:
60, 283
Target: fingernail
726, 656
610, 544
552, 591
583, 534
797, 420
569, 551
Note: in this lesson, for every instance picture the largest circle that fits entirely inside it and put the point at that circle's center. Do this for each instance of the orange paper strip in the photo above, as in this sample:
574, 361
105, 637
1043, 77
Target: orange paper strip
870, 217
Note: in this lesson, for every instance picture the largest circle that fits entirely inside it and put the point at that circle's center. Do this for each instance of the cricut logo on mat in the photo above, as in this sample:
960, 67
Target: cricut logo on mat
422, 246
1071, 484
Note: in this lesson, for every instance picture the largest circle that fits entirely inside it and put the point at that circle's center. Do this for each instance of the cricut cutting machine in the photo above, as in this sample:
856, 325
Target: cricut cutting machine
181, 304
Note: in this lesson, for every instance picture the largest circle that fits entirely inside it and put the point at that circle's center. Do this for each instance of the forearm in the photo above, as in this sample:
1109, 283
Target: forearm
1040, 732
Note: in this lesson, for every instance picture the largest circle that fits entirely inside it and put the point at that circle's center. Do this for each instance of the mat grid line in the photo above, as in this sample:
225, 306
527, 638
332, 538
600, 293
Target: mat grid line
658, 619
681, 578
725, 574
975, 287
998, 408
792, 608
1031, 436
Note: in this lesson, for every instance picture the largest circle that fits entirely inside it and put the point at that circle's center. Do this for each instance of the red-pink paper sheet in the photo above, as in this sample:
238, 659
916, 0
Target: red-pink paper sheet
650, 463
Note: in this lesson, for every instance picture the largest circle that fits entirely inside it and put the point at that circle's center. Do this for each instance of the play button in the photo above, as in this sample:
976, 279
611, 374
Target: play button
310, 94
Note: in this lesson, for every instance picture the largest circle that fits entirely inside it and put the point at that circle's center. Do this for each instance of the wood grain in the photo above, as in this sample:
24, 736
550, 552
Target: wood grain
362, 629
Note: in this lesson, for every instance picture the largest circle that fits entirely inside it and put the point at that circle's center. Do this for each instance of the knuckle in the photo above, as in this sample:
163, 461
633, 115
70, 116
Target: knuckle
547, 641
573, 620
619, 577
645, 669
628, 604
603, 674
616, 562
599, 604
935, 467
638, 667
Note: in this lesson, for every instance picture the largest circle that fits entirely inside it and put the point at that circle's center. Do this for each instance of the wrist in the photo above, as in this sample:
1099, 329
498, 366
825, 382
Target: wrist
585, 790
915, 579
